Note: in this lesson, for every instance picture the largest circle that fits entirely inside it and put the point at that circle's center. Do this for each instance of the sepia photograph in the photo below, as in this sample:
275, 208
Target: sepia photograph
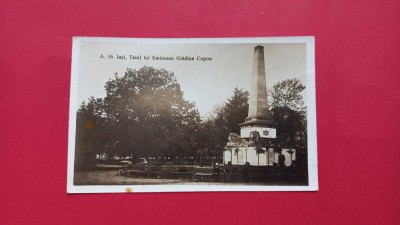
192, 115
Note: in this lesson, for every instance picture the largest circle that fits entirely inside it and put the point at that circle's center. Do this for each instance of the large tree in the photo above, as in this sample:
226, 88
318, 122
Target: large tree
236, 110
291, 127
287, 108
91, 133
287, 94
226, 119
145, 114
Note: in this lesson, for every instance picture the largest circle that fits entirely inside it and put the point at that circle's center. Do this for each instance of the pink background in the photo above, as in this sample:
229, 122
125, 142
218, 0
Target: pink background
358, 102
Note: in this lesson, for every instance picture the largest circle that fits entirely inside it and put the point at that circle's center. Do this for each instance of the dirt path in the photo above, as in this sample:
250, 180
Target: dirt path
109, 177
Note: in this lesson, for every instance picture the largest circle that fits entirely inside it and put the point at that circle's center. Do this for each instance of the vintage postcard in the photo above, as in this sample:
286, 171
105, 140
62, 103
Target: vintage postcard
192, 115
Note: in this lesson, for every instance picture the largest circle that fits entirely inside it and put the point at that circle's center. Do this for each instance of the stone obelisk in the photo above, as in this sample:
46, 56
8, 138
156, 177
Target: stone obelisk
258, 118
258, 132
258, 108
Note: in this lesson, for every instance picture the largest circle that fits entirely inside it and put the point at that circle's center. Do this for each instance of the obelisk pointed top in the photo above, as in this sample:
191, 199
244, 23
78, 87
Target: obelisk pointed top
258, 106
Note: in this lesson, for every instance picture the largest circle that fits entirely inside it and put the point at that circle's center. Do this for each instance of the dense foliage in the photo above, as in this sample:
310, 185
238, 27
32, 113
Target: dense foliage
289, 112
144, 114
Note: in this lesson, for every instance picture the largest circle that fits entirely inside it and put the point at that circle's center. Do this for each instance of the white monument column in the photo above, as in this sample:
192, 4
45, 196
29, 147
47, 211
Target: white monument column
258, 118
258, 106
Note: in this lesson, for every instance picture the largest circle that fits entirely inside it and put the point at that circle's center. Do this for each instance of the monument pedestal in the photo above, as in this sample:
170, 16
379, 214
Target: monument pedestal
258, 132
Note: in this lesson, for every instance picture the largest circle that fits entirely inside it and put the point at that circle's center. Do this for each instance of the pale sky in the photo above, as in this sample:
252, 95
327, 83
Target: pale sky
207, 84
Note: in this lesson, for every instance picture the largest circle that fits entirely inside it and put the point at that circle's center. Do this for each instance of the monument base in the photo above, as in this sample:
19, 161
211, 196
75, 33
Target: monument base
242, 155
264, 126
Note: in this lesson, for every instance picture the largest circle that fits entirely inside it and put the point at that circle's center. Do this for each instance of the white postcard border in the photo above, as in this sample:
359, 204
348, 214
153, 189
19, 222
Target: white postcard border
311, 119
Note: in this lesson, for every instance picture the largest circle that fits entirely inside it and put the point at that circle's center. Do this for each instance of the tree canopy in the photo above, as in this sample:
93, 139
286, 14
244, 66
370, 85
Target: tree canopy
145, 114
287, 94
289, 112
